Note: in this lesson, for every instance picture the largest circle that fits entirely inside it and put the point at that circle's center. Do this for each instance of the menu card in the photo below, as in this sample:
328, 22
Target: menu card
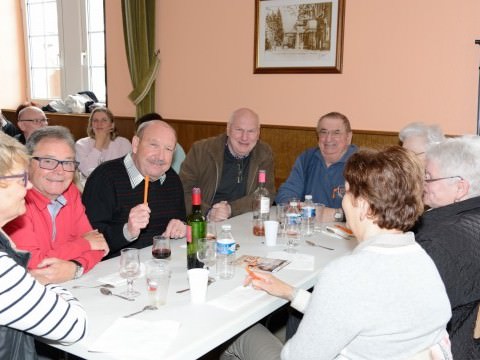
262, 263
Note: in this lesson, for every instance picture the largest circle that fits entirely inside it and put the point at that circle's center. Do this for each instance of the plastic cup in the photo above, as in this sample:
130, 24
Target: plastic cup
198, 279
271, 230
158, 278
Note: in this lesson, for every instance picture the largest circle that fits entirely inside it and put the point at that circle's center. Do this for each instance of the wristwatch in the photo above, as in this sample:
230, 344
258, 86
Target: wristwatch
338, 216
78, 269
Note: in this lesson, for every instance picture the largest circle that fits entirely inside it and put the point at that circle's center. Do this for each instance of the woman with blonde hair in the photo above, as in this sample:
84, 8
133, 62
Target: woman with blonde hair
26, 306
102, 143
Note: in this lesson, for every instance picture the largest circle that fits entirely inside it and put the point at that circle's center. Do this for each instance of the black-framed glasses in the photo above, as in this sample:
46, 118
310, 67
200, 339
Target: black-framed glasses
23, 177
339, 191
51, 164
36, 121
428, 181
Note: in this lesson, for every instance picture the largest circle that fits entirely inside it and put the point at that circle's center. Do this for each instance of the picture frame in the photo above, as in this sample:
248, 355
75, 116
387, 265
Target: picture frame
298, 36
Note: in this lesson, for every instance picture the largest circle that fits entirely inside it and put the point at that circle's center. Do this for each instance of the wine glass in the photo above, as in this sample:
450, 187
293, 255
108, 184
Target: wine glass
130, 269
161, 247
207, 252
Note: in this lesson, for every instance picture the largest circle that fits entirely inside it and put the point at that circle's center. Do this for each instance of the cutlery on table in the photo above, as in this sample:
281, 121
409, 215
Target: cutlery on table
148, 307
106, 291
109, 286
210, 281
314, 244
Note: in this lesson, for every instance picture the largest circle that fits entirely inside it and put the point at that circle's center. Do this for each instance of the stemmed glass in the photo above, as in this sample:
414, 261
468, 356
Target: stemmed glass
130, 269
206, 253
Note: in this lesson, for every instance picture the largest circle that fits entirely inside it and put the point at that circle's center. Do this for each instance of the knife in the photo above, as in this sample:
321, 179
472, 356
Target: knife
313, 244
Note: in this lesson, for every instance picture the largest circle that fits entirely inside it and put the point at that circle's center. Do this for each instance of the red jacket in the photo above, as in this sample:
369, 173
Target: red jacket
33, 230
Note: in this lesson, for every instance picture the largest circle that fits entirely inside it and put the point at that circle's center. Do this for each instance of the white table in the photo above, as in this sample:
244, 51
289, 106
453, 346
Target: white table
203, 327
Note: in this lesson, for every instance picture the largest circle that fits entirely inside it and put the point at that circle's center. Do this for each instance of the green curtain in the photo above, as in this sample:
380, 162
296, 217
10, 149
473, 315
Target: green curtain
139, 34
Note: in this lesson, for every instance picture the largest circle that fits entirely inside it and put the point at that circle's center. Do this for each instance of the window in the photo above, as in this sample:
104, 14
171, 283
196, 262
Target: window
65, 42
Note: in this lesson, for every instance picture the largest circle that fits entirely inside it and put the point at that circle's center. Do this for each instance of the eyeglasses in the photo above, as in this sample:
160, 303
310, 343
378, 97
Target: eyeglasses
36, 121
333, 133
51, 164
23, 177
428, 181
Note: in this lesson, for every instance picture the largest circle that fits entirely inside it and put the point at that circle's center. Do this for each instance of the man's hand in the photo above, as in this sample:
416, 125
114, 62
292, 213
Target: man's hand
138, 219
53, 270
97, 241
220, 211
175, 229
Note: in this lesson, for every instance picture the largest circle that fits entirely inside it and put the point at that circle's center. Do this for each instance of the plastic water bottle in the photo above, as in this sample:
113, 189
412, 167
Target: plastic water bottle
293, 226
226, 253
308, 216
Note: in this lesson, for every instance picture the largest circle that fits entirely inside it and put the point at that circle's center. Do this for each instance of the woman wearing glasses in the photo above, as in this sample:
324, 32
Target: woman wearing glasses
384, 301
26, 306
450, 233
102, 143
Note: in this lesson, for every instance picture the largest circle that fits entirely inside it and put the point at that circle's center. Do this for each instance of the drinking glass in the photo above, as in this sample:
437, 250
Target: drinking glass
207, 253
161, 247
211, 232
130, 269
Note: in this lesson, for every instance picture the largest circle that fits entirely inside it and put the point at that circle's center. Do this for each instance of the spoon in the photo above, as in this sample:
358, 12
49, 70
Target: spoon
148, 307
109, 286
106, 291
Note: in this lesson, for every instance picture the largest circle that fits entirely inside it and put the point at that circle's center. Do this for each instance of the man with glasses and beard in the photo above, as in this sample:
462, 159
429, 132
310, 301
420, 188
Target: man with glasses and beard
114, 193
55, 229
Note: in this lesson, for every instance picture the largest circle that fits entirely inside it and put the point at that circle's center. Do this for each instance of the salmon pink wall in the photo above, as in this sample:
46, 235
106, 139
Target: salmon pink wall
12, 62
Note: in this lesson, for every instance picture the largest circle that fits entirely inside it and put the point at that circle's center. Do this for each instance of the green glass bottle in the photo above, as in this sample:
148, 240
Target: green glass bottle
196, 229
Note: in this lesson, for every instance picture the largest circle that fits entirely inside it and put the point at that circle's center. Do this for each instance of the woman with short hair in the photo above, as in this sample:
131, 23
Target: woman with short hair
26, 306
450, 233
384, 301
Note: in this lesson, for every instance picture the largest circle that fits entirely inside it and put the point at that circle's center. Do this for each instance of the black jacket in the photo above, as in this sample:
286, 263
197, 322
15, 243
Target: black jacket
451, 236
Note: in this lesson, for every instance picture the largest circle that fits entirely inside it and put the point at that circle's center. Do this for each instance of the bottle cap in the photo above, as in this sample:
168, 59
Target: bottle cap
308, 197
226, 227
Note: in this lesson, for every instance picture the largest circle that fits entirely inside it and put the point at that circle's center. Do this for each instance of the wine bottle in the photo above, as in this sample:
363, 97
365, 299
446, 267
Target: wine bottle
261, 205
195, 229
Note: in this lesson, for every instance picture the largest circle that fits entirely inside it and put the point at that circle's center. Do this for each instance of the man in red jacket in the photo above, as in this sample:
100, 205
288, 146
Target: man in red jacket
55, 229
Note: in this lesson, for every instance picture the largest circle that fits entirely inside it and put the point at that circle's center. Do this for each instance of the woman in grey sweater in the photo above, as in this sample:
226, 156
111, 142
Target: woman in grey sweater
384, 301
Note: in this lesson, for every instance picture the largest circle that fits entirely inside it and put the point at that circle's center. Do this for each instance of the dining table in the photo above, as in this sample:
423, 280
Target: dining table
202, 327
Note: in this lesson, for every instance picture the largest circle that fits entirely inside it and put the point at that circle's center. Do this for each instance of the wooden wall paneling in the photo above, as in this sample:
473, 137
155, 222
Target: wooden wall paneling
287, 142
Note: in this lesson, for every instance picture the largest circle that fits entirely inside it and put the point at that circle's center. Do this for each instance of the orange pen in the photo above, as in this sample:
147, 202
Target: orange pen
145, 193
347, 230
251, 273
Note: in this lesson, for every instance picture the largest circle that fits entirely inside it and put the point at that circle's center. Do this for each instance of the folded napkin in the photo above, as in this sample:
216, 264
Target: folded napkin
130, 338
116, 280
298, 261
237, 298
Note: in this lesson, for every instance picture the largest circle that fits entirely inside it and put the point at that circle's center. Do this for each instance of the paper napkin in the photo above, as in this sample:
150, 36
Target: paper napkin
131, 338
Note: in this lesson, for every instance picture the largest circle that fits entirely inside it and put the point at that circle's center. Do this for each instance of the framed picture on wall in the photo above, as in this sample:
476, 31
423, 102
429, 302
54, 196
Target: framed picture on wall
298, 36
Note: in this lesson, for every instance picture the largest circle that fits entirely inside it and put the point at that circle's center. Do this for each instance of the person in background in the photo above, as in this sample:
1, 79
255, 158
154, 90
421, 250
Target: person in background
102, 143
7, 126
178, 154
450, 233
225, 167
55, 229
417, 137
319, 171
29, 119
114, 192
386, 300
27, 308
